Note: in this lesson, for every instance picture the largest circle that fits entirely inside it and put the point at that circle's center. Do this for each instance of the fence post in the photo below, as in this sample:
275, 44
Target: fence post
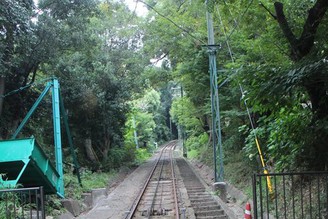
254, 196
43, 212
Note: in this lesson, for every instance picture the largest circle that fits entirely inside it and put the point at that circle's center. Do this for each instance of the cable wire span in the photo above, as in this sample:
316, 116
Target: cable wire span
25, 87
171, 21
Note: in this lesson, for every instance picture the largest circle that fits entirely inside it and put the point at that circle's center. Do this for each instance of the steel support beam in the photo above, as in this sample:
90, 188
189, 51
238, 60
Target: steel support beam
57, 136
31, 111
216, 126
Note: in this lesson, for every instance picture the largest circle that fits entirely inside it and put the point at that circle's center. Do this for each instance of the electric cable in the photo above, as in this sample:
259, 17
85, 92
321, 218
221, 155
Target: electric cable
240, 18
33, 84
171, 21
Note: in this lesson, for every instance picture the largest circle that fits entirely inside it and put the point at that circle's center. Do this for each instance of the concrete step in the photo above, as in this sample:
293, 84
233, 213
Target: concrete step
199, 195
204, 203
199, 212
201, 199
212, 217
207, 207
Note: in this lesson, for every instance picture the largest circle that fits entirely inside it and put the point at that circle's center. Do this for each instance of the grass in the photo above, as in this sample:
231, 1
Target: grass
89, 181
237, 170
192, 154
142, 154
74, 191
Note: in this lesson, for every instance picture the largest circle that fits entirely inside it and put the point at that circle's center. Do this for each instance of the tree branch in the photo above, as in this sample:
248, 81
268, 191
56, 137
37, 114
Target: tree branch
283, 23
315, 16
272, 15
302, 46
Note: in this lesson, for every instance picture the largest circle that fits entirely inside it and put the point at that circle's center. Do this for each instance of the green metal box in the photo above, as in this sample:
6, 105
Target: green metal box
23, 163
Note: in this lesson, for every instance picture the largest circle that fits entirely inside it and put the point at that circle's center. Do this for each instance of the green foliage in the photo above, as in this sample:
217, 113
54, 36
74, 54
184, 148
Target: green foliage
101, 53
287, 143
193, 154
147, 120
89, 181
196, 141
238, 170
185, 113
119, 156
10, 206
142, 154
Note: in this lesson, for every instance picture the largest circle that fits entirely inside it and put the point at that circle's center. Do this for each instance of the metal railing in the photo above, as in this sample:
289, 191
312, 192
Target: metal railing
293, 195
25, 203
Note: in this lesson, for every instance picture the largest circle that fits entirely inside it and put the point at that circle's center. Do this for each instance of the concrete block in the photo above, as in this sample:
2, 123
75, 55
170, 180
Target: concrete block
97, 194
66, 215
221, 187
87, 200
237, 195
72, 206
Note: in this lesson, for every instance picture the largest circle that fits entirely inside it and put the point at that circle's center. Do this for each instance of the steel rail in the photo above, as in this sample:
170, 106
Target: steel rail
138, 199
177, 215
156, 189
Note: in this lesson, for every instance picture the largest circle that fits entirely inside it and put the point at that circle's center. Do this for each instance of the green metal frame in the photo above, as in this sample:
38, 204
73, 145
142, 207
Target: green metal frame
57, 135
215, 109
24, 162
69, 137
40, 162
54, 86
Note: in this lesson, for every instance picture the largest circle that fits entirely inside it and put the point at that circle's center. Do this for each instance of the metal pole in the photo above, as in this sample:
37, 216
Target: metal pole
254, 181
70, 139
184, 149
33, 108
216, 127
43, 210
171, 135
135, 132
57, 136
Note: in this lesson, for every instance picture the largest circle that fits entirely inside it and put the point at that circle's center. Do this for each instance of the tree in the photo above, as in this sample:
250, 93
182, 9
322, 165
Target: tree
283, 69
100, 79
33, 36
16, 32
315, 83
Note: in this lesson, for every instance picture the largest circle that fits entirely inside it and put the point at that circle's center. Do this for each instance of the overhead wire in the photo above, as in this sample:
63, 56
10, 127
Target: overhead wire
20, 89
240, 18
173, 22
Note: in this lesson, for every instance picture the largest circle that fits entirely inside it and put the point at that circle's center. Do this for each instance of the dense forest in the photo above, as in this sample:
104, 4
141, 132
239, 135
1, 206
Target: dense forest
131, 82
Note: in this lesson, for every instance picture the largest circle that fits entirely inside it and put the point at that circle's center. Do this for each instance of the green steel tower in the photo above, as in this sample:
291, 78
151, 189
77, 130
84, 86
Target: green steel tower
216, 127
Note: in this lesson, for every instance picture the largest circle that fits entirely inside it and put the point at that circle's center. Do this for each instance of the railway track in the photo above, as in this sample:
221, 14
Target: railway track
158, 197
164, 192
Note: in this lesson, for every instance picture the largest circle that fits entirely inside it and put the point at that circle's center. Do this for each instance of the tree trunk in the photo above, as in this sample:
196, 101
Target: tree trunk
91, 155
319, 100
106, 147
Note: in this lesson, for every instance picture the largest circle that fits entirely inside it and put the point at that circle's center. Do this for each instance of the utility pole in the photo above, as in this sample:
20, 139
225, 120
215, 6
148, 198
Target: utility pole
181, 134
216, 127
135, 132
184, 149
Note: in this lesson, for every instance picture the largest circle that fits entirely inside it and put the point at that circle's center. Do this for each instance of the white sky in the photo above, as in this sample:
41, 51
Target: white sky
140, 8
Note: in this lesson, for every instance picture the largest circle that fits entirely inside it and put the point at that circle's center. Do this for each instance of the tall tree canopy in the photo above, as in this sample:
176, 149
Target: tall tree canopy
110, 62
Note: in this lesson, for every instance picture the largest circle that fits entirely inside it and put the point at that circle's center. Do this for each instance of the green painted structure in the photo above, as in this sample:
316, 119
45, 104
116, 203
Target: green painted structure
23, 162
